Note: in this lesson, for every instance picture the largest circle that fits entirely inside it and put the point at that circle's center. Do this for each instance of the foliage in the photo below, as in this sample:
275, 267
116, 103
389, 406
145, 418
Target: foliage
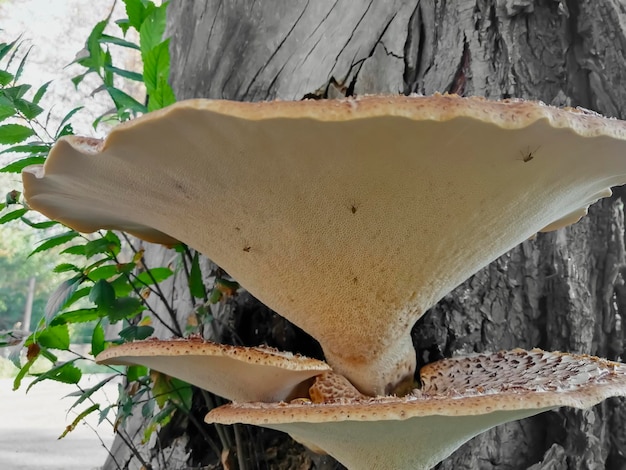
105, 279
16, 268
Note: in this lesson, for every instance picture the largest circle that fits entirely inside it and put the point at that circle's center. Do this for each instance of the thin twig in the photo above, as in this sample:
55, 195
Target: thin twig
177, 332
223, 435
241, 460
205, 435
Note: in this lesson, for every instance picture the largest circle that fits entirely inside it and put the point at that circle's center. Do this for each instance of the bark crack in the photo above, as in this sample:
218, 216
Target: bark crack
360, 62
352, 33
461, 76
278, 47
580, 88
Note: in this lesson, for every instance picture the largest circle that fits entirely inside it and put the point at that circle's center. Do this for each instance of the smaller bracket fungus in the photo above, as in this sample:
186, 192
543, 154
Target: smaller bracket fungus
459, 399
239, 373
350, 218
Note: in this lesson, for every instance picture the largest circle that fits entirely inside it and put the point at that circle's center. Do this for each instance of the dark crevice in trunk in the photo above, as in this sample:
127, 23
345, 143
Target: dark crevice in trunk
577, 77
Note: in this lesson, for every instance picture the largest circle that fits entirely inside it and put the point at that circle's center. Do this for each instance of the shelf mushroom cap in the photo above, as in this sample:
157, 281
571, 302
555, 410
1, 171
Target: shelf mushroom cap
459, 399
351, 217
239, 373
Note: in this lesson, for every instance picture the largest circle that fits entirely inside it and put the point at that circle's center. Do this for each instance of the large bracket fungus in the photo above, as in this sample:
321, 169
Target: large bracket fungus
350, 218
241, 374
459, 399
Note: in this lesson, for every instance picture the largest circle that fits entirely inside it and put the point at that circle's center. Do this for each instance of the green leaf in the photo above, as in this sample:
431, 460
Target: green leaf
161, 97
39, 149
19, 165
20, 67
78, 250
15, 92
103, 295
6, 48
79, 418
123, 24
216, 296
153, 276
40, 225
77, 295
125, 307
123, 101
67, 373
85, 394
182, 394
152, 28
147, 410
16, 214
65, 267
28, 109
106, 39
6, 111
107, 75
54, 241
65, 119
14, 53
79, 78
5, 77
104, 413
40, 92
103, 272
137, 11
97, 340
101, 245
65, 130
82, 315
156, 64
134, 373
125, 73
23, 371
122, 286
196, 284
14, 133
60, 297
115, 245
134, 332
54, 337
169, 388
93, 44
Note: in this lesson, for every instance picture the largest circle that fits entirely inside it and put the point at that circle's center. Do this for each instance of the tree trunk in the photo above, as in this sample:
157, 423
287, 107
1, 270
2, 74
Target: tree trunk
559, 291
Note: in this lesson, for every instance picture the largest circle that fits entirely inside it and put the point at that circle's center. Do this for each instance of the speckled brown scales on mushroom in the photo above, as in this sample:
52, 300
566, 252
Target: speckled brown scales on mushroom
239, 373
459, 399
375, 206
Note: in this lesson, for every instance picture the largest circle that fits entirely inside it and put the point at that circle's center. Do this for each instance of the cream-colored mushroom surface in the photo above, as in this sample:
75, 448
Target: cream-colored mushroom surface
236, 372
351, 217
459, 399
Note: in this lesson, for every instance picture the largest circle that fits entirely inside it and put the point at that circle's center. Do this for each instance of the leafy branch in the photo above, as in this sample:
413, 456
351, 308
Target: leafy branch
106, 280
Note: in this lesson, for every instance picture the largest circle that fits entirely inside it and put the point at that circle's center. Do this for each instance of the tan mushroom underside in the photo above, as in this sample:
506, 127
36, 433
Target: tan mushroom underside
459, 399
350, 218
236, 372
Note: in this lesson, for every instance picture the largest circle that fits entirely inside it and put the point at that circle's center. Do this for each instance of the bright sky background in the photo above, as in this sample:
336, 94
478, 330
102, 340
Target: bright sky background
56, 30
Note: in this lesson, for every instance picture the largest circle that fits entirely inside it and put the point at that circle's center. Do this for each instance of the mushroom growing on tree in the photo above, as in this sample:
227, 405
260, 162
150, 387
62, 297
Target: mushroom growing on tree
459, 398
239, 373
350, 218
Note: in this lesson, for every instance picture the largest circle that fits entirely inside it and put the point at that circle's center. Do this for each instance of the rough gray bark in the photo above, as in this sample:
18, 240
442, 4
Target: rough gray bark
560, 291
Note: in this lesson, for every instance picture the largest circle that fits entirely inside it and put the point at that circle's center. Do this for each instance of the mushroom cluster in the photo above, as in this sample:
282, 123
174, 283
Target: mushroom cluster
350, 218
